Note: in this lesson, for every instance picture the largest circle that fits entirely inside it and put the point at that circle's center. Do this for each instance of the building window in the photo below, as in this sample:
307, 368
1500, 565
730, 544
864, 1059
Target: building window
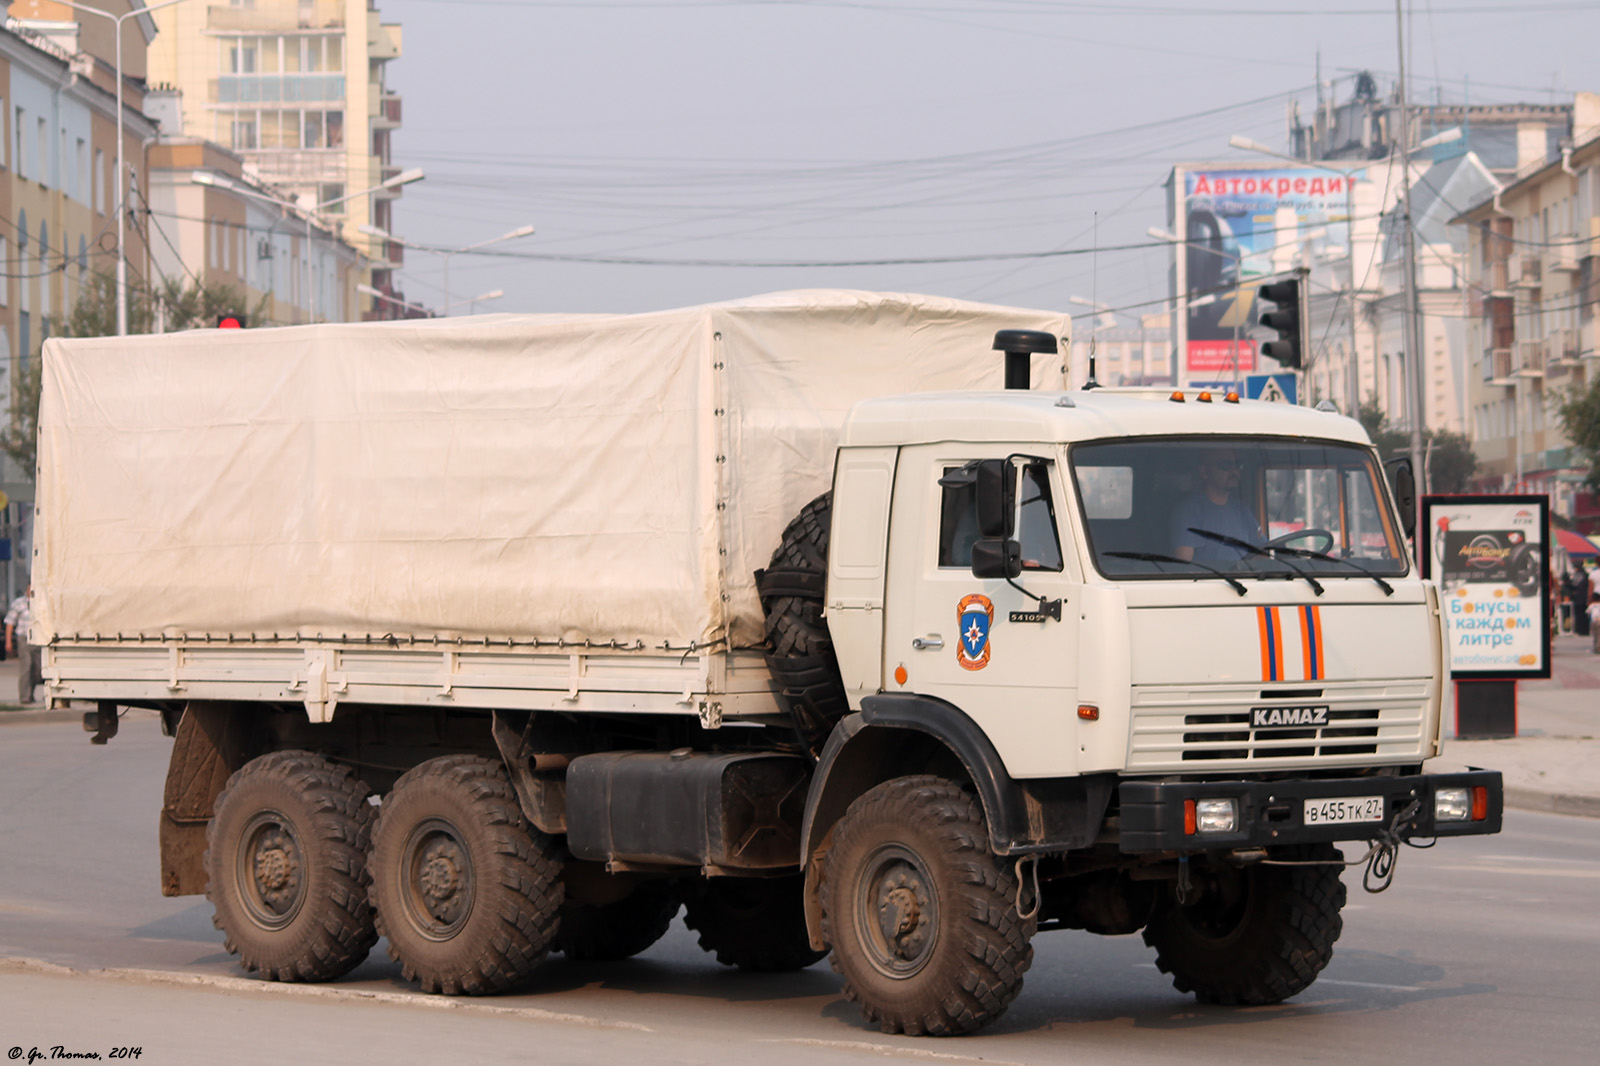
81, 171
19, 124
43, 168
244, 132
5, 267
99, 186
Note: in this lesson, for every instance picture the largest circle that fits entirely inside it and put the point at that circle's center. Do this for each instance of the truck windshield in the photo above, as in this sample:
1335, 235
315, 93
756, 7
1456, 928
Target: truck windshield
1188, 506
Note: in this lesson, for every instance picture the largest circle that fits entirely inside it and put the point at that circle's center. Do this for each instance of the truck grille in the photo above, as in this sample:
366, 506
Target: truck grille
1177, 729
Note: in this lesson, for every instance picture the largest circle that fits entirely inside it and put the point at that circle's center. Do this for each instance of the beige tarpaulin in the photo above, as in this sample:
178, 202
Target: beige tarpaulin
583, 477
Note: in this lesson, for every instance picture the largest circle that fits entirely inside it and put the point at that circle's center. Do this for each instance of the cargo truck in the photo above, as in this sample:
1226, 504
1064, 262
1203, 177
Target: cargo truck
520, 635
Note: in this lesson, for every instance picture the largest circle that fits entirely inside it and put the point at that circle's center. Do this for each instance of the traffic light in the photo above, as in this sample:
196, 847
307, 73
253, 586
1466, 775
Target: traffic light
230, 322
1289, 348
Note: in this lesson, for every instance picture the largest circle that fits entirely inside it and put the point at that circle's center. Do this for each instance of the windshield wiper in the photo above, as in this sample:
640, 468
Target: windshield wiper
1152, 557
1307, 553
1246, 546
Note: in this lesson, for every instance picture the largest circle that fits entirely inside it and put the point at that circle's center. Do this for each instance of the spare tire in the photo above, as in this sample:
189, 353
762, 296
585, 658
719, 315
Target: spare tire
805, 673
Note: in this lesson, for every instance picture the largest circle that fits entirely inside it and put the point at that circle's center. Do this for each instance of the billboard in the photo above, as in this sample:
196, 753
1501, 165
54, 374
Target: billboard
1489, 555
1241, 226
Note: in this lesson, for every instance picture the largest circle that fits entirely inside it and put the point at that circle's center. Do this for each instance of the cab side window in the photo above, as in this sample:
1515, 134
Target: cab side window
1036, 521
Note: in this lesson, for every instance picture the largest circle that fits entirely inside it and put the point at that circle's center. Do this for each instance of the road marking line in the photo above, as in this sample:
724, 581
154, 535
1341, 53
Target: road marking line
1369, 984
1524, 871
888, 1049
276, 988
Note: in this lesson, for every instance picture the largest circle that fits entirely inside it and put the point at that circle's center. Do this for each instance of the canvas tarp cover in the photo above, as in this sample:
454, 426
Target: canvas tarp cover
508, 476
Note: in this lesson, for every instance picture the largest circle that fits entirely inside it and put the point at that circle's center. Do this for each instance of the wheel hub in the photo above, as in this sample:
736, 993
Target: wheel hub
270, 871
438, 879
898, 912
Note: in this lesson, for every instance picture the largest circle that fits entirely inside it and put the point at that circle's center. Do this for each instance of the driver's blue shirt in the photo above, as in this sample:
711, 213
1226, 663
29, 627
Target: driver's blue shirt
1231, 519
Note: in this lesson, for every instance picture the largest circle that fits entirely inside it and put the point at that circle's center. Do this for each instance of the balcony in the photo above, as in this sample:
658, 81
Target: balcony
1560, 351
387, 115
277, 88
1525, 272
1494, 278
1562, 254
1593, 232
1497, 366
1530, 359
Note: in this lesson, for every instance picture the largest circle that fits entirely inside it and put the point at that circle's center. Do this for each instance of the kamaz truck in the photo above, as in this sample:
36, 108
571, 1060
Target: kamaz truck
835, 621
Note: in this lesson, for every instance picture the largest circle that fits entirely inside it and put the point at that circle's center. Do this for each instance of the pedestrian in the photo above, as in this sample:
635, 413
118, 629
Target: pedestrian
18, 620
1560, 602
1594, 623
1580, 602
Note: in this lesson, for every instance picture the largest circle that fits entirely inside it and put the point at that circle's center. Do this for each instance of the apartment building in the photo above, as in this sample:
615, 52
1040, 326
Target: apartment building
296, 89
289, 266
1532, 253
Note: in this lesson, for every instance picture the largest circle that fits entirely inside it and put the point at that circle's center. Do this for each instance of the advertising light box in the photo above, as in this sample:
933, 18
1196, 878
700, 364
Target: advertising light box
1489, 555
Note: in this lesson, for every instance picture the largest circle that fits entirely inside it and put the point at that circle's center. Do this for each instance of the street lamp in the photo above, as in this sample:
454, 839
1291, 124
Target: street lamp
1413, 341
219, 181
379, 294
446, 253
122, 181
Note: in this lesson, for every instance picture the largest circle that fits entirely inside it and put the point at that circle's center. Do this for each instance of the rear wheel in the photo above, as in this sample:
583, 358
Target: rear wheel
1253, 935
618, 930
286, 867
920, 913
754, 923
466, 891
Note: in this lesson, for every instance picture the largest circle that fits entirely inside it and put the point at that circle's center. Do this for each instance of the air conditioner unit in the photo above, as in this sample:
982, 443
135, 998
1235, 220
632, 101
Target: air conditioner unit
264, 248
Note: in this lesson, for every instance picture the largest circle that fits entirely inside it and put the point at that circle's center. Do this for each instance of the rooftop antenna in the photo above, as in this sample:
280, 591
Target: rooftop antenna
1094, 293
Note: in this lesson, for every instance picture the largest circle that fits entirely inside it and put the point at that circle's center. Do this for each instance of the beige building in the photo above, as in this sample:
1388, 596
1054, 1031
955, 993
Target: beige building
295, 88
1532, 253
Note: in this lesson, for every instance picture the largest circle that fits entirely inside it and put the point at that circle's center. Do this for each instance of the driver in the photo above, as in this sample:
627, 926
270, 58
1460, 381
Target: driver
1216, 507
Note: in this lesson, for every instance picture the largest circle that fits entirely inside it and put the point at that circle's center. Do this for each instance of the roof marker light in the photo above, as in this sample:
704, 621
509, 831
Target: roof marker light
1232, 397
1177, 396
1204, 397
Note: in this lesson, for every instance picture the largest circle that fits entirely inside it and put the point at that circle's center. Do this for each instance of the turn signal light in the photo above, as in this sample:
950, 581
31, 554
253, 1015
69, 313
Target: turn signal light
1188, 818
1088, 712
1480, 803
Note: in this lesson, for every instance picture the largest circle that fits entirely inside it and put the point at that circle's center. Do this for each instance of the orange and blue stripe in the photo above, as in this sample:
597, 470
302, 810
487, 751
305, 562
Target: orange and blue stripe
1311, 642
1271, 627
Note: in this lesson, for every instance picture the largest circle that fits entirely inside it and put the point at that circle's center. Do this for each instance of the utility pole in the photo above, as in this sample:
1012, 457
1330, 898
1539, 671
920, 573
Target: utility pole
1409, 320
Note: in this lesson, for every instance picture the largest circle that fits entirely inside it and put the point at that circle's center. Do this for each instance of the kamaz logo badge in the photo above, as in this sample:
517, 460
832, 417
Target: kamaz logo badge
1287, 717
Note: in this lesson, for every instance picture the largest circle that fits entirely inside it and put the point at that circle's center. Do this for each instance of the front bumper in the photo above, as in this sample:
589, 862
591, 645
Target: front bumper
1272, 812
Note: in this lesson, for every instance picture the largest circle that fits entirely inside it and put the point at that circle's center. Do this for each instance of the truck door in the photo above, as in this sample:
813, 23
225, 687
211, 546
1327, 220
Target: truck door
986, 646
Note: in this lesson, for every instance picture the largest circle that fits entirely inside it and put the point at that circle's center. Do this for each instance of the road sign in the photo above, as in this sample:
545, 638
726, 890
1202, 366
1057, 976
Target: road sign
1274, 388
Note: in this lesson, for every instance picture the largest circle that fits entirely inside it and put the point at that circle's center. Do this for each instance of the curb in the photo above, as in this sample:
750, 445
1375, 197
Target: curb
1527, 799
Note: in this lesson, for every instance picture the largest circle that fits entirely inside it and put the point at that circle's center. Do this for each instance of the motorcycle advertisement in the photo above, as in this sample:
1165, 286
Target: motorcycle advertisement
1488, 554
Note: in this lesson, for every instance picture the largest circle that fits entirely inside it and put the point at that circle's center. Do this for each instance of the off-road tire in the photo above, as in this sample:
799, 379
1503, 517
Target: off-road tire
286, 867
913, 855
1264, 938
466, 891
754, 923
804, 670
619, 930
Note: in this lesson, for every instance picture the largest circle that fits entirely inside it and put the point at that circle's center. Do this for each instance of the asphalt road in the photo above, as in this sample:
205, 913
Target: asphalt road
1482, 952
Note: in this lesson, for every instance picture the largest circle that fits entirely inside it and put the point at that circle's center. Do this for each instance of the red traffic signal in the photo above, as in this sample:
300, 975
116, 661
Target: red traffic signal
230, 322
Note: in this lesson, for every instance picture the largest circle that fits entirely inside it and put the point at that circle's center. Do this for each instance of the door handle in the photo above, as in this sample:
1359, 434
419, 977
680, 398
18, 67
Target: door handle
932, 641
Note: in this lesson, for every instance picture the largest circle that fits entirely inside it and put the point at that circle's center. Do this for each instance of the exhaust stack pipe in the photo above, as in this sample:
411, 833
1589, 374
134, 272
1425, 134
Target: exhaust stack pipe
1019, 345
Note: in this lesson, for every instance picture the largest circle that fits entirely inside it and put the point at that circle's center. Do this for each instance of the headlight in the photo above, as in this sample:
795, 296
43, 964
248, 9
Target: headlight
1452, 805
1216, 816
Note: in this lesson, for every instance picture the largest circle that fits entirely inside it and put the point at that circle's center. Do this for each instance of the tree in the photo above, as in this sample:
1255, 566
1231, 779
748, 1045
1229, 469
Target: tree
1579, 415
1450, 458
94, 314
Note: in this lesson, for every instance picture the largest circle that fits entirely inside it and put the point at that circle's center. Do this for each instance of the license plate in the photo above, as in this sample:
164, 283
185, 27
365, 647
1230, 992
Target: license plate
1344, 811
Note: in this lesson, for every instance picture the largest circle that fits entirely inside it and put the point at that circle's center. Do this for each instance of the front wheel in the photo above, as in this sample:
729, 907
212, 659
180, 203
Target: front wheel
1254, 935
920, 913
467, 892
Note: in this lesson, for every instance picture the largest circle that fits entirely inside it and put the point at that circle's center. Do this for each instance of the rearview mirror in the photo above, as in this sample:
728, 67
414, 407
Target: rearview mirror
1403, 482
996, 498
996, 557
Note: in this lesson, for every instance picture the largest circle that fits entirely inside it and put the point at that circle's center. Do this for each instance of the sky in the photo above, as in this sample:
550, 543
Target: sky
676, 152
